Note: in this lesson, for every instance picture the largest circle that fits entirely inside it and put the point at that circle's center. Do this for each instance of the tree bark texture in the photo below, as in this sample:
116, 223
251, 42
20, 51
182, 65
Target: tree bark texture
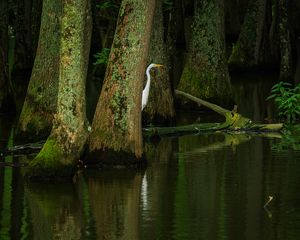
252, 44
39, 107
160, 104
286, 68
69, 133
116, 125
205, 73
4, 81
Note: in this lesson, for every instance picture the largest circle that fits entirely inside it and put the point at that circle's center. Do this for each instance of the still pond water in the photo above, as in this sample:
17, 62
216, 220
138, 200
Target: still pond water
203, 186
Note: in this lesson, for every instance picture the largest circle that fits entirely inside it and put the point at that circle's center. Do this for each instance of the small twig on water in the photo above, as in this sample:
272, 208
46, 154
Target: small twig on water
269, 200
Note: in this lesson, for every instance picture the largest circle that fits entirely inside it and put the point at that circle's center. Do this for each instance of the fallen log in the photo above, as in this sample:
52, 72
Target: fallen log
233, 122
25, 149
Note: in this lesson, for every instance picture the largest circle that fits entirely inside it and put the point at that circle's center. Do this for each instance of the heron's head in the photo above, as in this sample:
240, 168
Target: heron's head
154, 65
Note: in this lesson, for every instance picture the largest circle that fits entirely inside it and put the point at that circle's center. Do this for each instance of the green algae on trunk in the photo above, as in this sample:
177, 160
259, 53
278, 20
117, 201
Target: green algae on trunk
50, 163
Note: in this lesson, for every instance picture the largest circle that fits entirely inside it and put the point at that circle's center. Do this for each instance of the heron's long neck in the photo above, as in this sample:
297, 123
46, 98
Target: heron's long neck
148, 79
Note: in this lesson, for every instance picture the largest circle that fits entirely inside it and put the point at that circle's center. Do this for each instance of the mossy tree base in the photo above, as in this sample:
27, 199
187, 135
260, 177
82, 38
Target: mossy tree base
51, 163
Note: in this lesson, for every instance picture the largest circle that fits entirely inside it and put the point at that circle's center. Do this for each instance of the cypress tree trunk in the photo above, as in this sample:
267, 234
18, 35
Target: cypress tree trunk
286, 71
5, 99
251, 48
160, 105
205, 73
36, 117
116, 128
68, 136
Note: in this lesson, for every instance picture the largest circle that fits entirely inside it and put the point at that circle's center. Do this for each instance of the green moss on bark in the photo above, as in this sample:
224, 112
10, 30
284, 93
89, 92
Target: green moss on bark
50, 163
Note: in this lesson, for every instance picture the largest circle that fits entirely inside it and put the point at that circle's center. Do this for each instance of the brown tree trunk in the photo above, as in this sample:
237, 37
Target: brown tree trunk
116, 128
69, 133
160, 105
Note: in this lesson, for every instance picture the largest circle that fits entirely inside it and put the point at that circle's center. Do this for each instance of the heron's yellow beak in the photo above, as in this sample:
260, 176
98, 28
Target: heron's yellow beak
158, 65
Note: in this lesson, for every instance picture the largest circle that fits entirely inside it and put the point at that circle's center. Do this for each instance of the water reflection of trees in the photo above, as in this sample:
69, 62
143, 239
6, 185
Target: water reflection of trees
195, 187
114, 200
218, 190
55, 211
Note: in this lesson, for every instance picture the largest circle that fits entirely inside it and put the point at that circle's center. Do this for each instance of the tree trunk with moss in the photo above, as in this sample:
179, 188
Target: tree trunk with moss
251, 49
116, 136
205, 73
64, 146
39, 107
160, 106
286, 69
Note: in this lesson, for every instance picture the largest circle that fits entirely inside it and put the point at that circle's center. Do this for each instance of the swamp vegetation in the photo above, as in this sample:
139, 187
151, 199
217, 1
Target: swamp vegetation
69, 54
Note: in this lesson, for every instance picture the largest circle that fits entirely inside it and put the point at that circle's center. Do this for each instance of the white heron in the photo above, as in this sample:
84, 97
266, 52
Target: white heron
147, 87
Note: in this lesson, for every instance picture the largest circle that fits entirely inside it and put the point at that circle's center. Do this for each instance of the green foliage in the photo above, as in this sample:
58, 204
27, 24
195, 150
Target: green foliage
102, 57
287, 100
290, 139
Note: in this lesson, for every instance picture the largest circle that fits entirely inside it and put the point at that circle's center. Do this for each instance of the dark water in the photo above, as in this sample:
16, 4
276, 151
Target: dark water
206, 186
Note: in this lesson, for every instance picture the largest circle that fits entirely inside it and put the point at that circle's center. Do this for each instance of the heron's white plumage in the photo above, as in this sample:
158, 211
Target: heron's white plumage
146, 90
